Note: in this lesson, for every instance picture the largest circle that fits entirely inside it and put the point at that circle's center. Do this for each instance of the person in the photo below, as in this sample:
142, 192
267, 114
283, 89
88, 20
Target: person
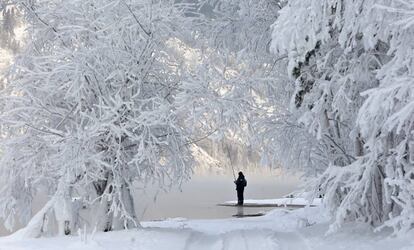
241, 183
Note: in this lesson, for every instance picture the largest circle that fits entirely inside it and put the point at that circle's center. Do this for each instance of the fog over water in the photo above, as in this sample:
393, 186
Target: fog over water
199, 197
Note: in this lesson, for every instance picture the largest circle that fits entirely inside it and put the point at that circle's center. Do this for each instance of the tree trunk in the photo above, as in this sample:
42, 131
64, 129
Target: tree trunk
63, 209
359, 147
128, 204
105, 215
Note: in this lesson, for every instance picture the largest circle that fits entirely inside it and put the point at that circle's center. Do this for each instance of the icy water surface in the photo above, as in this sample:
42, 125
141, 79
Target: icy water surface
199, 197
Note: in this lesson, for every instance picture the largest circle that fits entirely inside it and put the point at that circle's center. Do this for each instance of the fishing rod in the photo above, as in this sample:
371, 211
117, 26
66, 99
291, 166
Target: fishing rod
231, 163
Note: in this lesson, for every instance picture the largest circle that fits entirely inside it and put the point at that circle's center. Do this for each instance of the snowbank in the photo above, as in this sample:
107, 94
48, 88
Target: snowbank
299, 229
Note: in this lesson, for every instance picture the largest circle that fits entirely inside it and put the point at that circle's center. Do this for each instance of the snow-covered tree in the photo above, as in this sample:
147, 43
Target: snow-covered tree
352, 62
230, 84
90, 110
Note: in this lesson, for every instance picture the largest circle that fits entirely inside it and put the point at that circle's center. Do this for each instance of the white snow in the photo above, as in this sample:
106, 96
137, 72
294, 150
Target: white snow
299, 229
281, 202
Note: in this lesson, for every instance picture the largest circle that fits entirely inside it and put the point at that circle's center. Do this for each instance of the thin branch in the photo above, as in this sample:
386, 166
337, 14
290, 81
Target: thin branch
44, 131
349, 157
201, 138
66, 117
45, 23
277, 60
136, 19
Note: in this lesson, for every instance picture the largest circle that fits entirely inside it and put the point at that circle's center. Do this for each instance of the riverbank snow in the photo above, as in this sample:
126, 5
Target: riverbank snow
299, 229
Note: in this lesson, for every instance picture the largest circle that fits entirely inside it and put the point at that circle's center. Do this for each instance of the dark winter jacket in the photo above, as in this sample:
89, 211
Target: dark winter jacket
240, 182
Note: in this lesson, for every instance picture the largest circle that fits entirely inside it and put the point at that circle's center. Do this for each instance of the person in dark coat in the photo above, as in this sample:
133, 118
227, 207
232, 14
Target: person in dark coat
241, 183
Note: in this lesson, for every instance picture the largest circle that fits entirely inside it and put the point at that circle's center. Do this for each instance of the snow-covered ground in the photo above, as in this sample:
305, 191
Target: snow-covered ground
281, 202
301, 229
